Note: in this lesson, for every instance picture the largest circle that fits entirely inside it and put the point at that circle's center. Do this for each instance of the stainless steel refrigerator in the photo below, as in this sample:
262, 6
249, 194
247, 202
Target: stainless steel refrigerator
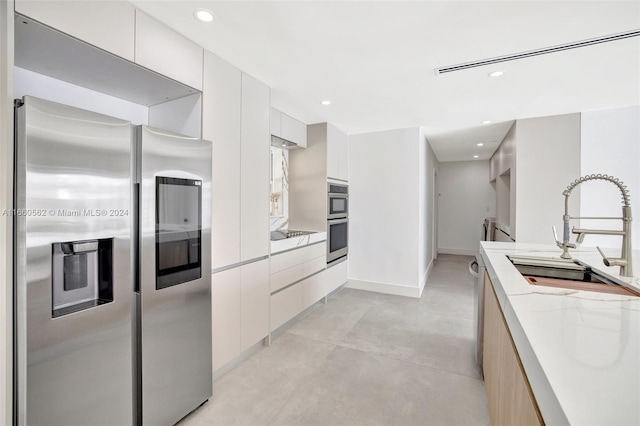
112, 270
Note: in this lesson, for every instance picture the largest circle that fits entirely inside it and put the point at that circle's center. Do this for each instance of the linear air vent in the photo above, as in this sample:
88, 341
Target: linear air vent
537, 52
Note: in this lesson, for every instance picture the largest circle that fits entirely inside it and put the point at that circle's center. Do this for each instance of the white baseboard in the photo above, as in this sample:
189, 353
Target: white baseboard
462, 252
396, 290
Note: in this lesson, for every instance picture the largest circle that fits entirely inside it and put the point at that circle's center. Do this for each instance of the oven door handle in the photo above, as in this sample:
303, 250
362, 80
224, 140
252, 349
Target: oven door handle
337, 221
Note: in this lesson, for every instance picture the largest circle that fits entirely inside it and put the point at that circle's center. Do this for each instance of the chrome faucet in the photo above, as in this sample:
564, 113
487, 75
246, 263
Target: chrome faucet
625, 260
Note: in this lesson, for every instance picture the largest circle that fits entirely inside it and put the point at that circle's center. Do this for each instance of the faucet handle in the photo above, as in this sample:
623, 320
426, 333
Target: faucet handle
559, 243
555, 236
611, 262
605, 259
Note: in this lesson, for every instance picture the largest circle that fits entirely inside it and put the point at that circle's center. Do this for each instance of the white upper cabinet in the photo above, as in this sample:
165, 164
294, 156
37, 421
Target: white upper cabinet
288, 128
255, 172
163, 50
294, 130
337, 154
221, 124
275, 123
109, 25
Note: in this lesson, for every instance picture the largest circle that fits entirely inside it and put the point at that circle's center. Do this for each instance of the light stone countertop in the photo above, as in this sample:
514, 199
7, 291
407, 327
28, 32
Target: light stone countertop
579, 349
297, 242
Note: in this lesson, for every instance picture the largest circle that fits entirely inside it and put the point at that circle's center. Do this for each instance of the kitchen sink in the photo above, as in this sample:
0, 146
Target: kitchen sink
567, 273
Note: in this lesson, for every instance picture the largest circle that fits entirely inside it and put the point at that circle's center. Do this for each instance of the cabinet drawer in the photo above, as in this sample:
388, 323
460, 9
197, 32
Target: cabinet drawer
313, 251
337, 275
285, 277
311, 266
286, 260
285, 305
313, 289
291, 258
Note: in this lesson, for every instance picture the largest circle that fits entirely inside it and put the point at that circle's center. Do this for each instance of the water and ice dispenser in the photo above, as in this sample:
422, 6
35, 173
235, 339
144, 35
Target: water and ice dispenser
82, 275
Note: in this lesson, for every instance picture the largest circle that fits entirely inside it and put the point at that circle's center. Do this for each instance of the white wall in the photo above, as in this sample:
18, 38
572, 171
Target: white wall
6, 184
547, 160
385, 211
610, 145
465, 198
428, 214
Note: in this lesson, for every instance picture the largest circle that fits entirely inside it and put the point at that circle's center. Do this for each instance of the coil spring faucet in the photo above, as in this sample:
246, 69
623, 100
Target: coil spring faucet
625, 259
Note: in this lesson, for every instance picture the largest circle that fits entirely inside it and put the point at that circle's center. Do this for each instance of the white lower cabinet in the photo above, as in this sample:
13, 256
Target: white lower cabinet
313, 289
240, 310
254, 306
285, 305
302, 269
225, 316
337, 275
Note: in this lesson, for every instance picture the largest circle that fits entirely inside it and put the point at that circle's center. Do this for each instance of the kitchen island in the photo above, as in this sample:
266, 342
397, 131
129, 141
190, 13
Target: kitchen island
579, 350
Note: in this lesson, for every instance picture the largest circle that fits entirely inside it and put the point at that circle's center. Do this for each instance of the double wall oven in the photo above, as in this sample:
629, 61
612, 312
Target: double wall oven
337, 221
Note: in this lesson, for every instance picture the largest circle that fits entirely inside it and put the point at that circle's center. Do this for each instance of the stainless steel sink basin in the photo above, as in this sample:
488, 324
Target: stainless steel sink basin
567, 273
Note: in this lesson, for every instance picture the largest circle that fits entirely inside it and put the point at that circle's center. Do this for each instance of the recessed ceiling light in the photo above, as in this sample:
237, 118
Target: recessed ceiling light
204, 15
326, 102
475, 156
496, 74
480, 144
486, 122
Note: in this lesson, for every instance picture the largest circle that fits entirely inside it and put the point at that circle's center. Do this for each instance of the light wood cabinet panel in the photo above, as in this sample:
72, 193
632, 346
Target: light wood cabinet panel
508, 392
254, 279
163, 50
225, 309
254, 178
109, 25
285, 305
221, 114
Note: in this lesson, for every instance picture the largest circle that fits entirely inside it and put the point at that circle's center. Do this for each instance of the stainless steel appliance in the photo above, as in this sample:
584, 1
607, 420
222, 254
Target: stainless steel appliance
112, 307
488, 229
337, 221
337, 201
73, 275
174, 294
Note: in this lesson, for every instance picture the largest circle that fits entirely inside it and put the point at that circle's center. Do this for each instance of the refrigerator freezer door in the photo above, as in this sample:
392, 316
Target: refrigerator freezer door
74, 325
175, 285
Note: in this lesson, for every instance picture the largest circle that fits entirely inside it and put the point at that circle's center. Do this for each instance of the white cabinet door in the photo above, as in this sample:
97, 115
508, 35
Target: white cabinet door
336, 276
225, 310
109, 25
255, 170
254, 279
285, 305
337, 153
275, 125
221, 124
333, 152
163, 50
313, 289
294, 131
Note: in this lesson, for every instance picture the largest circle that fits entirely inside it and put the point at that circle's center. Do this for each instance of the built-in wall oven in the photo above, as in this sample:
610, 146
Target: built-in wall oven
338, 201
337, 221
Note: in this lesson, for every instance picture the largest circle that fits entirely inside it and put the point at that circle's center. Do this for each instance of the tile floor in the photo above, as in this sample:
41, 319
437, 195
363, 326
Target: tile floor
365, 358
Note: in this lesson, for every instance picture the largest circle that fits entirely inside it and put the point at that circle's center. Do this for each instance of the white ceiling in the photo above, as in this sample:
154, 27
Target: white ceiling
375, 59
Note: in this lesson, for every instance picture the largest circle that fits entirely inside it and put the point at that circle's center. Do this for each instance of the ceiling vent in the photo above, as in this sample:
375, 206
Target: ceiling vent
537, 52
